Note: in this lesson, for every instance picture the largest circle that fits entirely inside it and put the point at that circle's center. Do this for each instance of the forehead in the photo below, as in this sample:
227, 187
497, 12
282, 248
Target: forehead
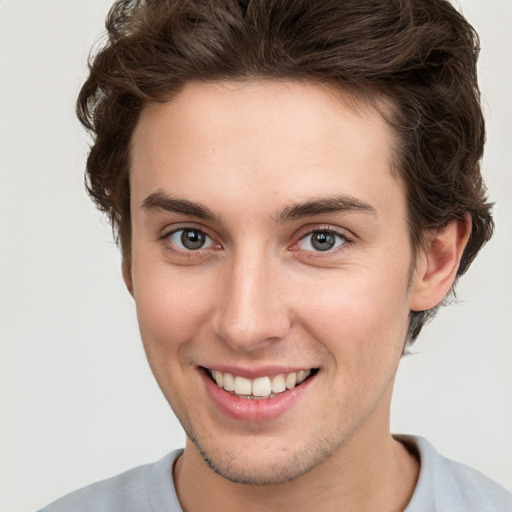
299, 140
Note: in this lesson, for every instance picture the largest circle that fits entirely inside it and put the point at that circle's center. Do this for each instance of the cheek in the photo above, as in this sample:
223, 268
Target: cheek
171, 306
360, 320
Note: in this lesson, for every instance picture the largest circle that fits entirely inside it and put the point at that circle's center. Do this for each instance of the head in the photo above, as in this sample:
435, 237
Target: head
413, 60
295, 185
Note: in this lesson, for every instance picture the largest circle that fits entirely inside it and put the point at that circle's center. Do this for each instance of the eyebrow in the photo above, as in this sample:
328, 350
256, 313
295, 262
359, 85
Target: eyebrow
159, 201
323, 206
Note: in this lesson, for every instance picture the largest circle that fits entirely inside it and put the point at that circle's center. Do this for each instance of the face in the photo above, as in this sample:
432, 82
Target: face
270, 268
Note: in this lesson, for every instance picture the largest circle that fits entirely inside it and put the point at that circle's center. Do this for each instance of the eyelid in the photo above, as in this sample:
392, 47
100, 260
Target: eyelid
314, 228
179, 226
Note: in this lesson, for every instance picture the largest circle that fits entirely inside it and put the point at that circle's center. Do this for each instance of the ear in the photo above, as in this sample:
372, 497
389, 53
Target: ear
126, 268
437, 265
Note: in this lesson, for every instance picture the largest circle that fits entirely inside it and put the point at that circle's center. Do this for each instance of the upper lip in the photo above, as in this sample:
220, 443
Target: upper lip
254, 373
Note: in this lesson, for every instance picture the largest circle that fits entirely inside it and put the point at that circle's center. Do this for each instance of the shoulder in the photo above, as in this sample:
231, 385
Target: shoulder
149, 487
445, 485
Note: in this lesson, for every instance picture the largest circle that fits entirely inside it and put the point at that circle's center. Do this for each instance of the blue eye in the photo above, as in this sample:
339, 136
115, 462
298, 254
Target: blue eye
190, 239
321, 240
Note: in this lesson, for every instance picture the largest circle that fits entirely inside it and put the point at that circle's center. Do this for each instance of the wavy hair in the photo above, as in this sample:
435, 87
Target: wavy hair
418, 55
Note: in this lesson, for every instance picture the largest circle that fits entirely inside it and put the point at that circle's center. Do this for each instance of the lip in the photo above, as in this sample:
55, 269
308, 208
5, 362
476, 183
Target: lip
253, 411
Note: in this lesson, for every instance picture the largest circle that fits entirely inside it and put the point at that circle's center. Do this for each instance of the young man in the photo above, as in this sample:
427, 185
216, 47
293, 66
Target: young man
295, 186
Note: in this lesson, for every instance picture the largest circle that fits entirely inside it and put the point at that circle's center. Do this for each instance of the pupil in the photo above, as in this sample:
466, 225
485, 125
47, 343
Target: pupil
192, 239
323, 241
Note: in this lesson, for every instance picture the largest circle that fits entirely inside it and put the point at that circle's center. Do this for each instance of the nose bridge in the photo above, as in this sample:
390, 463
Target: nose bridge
250, 311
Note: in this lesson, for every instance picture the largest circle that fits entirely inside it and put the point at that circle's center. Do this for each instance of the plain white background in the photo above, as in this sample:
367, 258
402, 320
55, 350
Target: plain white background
78, 401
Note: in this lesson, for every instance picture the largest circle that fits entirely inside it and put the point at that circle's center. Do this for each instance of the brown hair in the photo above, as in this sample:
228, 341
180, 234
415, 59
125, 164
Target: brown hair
419, 55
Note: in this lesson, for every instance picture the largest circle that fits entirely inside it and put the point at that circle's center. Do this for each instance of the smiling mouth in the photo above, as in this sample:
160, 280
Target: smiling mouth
261, 387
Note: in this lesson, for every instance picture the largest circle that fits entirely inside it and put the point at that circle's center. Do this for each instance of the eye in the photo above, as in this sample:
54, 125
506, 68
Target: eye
190, 239
321, 240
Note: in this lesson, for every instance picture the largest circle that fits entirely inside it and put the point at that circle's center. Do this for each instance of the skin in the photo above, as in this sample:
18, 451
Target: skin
259, 294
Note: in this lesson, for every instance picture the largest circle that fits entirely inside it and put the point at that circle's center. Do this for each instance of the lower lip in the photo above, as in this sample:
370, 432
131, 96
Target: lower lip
254, 411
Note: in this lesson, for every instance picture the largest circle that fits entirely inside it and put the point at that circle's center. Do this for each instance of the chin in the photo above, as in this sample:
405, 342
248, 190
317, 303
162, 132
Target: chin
270, 466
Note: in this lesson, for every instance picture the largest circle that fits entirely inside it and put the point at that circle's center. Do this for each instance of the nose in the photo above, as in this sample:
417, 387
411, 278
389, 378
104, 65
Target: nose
251, 310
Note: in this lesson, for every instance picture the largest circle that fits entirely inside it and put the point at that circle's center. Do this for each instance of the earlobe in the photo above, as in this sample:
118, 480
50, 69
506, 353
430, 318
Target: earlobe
437, 266
126, 269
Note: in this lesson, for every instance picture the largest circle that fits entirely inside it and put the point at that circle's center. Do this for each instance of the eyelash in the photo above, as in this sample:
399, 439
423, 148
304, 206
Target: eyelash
190, 253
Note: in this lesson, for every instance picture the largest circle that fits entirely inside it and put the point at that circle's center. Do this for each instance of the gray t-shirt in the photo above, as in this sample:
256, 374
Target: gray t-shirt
443, 486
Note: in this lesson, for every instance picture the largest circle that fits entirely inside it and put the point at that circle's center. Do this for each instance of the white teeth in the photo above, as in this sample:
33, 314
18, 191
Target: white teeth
291, 380
303, 375
219, 378
229, 382
278, 384
260, 387
243, 386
